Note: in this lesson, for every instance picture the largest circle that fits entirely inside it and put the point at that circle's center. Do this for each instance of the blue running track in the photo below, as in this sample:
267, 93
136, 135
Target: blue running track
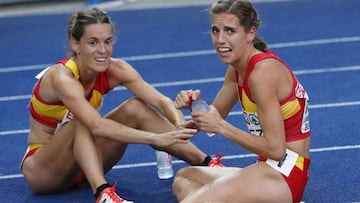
171, 48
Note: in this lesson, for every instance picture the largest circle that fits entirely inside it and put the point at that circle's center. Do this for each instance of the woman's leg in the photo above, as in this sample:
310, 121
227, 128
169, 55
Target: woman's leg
56, 166
256, 183
136, 114
190, 179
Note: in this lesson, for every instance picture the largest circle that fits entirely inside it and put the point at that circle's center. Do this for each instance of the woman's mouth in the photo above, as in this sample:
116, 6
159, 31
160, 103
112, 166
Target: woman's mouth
100, 59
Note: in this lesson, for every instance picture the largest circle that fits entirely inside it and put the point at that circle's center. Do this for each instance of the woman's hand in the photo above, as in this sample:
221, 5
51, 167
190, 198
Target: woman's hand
185, 97
207, 121
189, 124
174, 137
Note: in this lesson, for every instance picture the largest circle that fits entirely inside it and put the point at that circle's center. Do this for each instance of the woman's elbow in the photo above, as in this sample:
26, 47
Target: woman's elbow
98, 130
277, 153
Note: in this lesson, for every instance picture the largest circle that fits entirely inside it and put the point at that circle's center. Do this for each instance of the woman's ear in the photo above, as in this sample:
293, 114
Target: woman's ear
75, 45
251, 34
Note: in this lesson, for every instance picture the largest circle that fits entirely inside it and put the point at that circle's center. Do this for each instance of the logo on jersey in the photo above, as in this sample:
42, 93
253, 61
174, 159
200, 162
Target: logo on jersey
254, 119
253, 123
300, 91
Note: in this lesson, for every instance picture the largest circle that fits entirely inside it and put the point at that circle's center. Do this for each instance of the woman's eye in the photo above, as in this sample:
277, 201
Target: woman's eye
214, 30
230, 31
92, 43
109, 42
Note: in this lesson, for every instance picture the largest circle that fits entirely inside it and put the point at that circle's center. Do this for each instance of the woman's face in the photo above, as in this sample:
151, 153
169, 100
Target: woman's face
96, 46
229, 38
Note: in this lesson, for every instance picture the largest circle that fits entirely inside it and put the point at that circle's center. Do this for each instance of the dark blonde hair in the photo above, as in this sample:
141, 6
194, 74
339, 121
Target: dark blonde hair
79, 20
246, 14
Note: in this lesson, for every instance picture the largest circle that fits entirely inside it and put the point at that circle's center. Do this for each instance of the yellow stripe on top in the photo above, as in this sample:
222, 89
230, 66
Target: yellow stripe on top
73, 67
288, 109
53, 111
247, 104
96, 99
35, 146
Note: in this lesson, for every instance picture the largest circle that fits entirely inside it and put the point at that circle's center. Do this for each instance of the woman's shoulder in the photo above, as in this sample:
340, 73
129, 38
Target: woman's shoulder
54, 70
121, 71
120, 66
118, 63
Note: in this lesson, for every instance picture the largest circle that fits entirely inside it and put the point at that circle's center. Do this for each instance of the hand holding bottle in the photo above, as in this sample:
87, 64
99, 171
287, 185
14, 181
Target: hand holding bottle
189, 99
185, 97
201, 105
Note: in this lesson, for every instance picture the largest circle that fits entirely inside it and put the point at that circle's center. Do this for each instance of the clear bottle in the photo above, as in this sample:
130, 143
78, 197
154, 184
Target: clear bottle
201, 105
164, 165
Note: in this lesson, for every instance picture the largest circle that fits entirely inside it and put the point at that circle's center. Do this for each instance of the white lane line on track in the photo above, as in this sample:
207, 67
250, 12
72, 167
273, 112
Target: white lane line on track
233, 113
200, 52
240, 156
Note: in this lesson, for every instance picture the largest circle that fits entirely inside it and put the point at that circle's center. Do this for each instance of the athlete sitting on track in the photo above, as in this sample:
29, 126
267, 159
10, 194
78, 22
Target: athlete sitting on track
70, 143
275, 106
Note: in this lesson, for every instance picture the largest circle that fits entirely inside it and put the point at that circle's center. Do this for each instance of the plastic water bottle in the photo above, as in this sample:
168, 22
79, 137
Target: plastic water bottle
201, 105
164, 165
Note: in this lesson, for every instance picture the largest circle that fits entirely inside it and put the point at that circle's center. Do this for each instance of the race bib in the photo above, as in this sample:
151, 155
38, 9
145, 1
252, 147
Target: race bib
286, 164
253, 123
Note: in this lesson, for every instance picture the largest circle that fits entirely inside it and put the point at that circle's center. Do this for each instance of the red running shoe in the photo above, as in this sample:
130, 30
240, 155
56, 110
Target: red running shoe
216, 162
109, 195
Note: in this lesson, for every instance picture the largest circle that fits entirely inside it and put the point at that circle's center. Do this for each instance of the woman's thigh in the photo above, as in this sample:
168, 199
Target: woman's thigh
136, 114
53, 167
111, 152
203, 174
189, 179
256, 183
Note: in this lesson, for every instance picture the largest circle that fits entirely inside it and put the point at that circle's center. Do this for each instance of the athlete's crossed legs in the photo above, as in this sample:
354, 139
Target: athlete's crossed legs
55, 167
255, 183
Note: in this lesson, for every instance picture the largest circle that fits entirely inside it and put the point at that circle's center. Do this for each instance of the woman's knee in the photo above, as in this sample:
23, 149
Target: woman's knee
182, 185
135, 106
66, 134
186, 172
178, 178
180, 172
132, 108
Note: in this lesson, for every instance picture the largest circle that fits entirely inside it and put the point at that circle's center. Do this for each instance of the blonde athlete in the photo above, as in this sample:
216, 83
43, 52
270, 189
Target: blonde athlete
275, 106
70, 143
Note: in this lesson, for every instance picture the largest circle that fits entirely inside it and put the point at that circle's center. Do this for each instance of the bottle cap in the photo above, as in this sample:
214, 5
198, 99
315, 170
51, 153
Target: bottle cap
190, 94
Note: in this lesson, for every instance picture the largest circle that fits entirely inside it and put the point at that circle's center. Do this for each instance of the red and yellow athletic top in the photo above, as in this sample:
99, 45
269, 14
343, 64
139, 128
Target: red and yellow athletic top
294, 108
52, 113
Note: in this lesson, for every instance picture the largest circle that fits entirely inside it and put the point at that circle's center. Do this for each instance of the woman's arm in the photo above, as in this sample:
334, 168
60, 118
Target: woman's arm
264, 84
126, 75
70, 91
228, 94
